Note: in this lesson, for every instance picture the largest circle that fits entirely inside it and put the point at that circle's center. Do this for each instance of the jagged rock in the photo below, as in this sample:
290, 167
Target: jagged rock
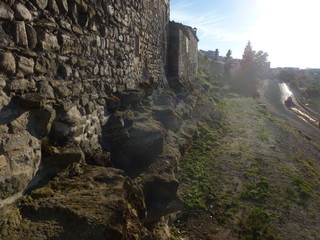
6, 12
58, 158
40, 3
21, 34
97, 157
83, 203
32, 36
61, 90
114, 132
7, 63
144, 144
26, 65
21, 152
130, 97
160, 192
48, 42
21, 12
168, 118
67, 125
19, 124
63, 6
45, 89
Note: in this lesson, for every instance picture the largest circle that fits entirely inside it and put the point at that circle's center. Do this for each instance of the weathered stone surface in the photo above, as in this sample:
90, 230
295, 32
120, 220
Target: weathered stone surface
96, 157
21, 12
130, 97
84, 203
48, 42
53, 7
21, 85
68, 125
40, 3
21, 34
25, 65
168, 118
65, 71
144, 144
7, 63
114, 131
32, 36
63, 6
6, 12
22, 153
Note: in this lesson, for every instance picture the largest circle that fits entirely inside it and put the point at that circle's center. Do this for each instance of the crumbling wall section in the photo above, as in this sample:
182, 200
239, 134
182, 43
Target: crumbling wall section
182, 53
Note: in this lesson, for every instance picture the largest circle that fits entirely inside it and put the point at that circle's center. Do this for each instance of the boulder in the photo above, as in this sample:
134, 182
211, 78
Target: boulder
7, 63
6, 12
114, 131
145, 142
130, 97
169, 118
21, 12
20, 154
85, 202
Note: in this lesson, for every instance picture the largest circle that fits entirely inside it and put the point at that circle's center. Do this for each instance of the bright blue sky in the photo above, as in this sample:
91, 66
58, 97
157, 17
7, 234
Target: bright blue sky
289, 30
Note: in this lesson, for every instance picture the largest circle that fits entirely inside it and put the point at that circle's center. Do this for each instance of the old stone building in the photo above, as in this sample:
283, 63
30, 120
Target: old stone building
182, 54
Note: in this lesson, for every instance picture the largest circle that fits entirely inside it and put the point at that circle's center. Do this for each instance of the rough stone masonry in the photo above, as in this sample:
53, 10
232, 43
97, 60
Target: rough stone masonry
59, 61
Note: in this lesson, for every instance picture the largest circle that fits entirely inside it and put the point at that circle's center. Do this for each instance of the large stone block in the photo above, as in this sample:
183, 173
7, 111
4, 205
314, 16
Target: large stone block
21, 12
7, 63
21, 34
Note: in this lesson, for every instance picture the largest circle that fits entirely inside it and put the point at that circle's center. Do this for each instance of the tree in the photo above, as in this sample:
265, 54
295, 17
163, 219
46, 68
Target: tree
228, 55
247, 80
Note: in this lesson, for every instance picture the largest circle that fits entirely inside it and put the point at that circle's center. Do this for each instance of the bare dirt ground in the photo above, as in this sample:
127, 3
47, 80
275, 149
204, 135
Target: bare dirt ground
263, 173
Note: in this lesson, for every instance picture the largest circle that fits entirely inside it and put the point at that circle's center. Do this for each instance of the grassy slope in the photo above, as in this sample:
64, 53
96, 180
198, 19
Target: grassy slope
251, 176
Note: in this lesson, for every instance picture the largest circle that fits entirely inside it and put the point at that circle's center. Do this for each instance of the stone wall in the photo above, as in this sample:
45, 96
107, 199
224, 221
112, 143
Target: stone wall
182, 53
59, 61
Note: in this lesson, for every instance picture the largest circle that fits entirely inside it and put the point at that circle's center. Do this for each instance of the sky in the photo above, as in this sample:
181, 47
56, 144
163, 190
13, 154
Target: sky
288, 30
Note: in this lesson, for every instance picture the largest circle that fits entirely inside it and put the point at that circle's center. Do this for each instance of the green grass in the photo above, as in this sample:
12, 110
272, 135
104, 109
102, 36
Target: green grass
256, 192
196, 172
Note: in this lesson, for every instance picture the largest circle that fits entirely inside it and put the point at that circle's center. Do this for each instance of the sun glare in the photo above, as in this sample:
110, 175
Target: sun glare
287, 29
